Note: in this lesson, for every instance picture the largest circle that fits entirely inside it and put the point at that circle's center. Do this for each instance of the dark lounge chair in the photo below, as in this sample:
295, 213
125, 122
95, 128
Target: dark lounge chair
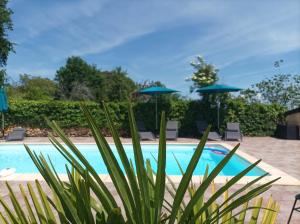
233, 132
212, 135
297, 209
143, 133
172, 130
17, 134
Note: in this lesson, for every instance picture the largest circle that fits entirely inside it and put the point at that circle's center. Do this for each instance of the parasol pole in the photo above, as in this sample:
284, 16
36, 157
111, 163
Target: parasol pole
156, 112
218, 113
2, 124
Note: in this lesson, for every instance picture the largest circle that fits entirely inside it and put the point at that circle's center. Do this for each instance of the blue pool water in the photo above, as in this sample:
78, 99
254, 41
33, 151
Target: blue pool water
16, 156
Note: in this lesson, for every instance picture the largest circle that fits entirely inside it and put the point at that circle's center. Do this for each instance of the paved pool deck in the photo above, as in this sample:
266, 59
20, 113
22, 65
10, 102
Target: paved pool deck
282, 154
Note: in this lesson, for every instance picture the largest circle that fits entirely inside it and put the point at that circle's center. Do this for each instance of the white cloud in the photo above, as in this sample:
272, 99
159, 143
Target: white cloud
240, 35
43, 17
225, 32
89, 27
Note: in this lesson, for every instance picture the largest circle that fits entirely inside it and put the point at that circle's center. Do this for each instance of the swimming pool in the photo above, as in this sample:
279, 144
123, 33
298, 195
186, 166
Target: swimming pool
15, 156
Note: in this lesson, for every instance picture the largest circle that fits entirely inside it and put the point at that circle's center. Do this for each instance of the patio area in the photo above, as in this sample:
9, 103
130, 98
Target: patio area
282, 154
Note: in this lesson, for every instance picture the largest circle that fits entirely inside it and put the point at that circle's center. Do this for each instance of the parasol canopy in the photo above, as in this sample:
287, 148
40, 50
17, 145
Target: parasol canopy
156, 90
218, 88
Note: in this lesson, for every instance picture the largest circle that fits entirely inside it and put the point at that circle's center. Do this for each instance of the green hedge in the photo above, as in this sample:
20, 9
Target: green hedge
67, 113
256, 119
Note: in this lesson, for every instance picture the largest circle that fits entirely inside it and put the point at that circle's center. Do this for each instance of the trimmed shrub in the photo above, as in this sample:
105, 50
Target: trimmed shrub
256, 119
67, 113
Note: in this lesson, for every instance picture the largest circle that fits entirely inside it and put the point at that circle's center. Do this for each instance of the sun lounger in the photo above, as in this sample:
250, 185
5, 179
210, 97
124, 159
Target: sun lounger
17, 134
212, 135
172, 130
233, 132
297, 209
143, 133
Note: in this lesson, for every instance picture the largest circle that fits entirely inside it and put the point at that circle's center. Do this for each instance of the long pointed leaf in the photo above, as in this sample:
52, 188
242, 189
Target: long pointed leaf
160, 179
184, 183
112, 166
140, 166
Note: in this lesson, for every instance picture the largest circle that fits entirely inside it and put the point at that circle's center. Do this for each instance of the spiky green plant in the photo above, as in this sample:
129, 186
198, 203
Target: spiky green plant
213, 214
85, 197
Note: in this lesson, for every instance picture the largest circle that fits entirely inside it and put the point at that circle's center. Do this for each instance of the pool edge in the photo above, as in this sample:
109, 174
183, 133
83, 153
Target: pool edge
274, 172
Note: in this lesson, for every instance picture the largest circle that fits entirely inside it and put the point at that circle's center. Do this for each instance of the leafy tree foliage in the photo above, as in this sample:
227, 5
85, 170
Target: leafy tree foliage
81, 92
249, 95
204, 74
282, 89
33, 88
78, 78
6, 46
5, 25
149, 83
117, 86
3, 77
76, 71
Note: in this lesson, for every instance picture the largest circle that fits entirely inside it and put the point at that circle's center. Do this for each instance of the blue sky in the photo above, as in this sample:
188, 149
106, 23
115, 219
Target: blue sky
156, 40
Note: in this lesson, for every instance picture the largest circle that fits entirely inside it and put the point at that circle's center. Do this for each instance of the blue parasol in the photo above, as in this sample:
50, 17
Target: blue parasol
218, 88
3, 106
156, 90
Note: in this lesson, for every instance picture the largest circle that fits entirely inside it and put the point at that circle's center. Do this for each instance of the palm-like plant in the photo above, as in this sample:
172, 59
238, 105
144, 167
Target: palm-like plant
85, 198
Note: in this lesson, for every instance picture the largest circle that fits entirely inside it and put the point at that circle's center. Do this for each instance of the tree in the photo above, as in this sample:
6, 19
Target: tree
99, 85
149, 83
282, 89
6, 25
76, 70
204, 74
33, 88
249, 95
81, 92
117, 85
2, 77
6, 46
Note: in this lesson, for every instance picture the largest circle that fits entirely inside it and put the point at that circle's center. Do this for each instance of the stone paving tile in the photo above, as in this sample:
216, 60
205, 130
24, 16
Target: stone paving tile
284, 155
